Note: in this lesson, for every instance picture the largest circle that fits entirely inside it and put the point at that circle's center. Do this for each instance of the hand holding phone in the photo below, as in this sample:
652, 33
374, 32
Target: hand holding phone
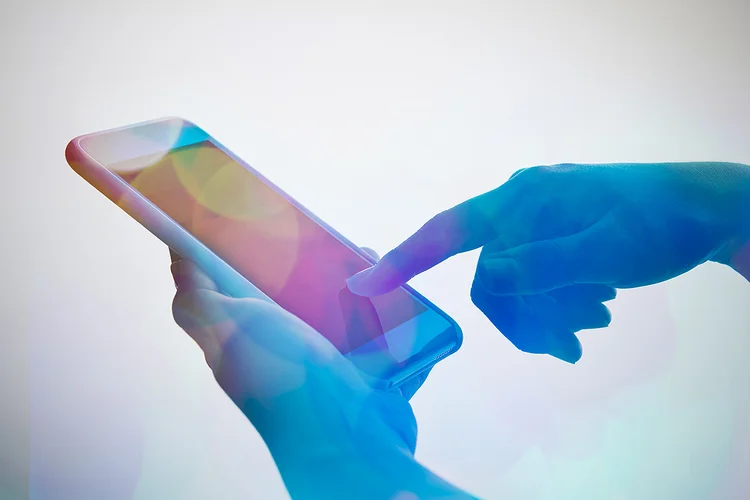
331, 434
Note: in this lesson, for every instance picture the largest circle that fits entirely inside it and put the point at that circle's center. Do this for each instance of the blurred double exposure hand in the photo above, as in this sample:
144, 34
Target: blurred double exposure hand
332, 433
558, 240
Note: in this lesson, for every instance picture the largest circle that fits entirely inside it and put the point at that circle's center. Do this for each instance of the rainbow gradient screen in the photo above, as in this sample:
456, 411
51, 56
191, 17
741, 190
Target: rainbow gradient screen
264, 237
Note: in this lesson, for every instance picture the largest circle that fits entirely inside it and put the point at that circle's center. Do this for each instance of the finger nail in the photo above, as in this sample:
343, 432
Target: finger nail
357, 284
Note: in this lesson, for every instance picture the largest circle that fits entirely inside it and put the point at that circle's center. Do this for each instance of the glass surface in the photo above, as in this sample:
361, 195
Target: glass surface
282, 251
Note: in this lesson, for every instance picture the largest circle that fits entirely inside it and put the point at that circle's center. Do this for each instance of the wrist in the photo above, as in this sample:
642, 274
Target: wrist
739, 247
742, 234
735, 248
736, 255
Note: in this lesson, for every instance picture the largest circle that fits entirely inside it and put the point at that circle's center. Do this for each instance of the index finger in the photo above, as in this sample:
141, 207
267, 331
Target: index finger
465, 227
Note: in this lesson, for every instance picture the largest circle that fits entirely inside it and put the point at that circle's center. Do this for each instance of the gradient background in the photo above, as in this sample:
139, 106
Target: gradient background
411, 107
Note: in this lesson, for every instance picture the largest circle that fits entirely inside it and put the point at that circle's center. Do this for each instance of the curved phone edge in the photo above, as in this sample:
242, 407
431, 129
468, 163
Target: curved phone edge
134, 204
102, 180
403, 376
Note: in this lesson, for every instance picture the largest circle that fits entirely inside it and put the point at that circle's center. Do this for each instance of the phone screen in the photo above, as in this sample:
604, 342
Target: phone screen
282, 251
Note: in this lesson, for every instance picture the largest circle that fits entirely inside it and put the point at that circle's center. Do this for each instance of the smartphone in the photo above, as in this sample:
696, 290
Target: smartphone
255, 240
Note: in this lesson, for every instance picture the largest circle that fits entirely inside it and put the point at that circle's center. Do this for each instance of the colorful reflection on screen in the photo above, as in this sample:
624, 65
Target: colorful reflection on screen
265, 238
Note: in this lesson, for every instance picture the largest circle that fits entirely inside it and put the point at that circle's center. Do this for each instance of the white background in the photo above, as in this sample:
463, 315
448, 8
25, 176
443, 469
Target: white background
375, 116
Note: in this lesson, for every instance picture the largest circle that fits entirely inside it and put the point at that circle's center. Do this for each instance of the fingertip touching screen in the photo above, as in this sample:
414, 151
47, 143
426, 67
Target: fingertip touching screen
281, 250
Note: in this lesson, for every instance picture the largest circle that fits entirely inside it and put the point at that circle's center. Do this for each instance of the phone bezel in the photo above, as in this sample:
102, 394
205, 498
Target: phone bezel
94, 171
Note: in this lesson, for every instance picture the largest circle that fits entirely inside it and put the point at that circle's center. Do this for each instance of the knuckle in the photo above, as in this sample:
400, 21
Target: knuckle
534, 175
182, 306
477, 294
515, 174
542, 171
605, 314
560, 167
524, 341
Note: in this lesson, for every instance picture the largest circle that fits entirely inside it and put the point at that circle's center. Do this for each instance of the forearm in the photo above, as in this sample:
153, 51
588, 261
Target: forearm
741, 261
373, 474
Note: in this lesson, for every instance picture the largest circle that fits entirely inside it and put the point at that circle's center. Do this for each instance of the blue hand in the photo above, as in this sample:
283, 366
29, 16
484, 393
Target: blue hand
558, 240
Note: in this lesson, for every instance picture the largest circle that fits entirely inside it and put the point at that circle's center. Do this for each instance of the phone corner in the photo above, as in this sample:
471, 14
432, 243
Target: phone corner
455, 346
74, 154
455, 336
184, 122
459, 334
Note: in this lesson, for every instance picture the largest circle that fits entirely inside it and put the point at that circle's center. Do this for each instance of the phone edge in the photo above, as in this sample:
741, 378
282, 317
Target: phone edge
99, 176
